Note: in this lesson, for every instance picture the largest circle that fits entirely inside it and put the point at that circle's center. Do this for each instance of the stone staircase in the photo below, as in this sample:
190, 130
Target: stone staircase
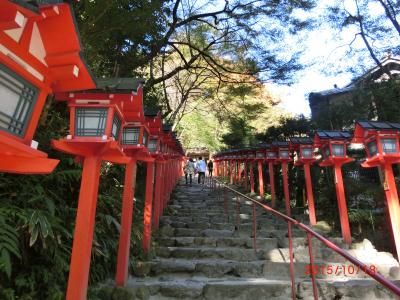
200, 254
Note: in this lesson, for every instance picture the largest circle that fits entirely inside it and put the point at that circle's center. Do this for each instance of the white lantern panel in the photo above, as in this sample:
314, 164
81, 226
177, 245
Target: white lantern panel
307, 152
389, 145
283, 153
90, 121
18, 98
130, 136
152, 145
338, 149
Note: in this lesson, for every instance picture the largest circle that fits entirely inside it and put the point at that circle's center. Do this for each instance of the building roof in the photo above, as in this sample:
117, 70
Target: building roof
301, 140
280, 144
119, 84
374, 73
334, 135
379, 125
335, 91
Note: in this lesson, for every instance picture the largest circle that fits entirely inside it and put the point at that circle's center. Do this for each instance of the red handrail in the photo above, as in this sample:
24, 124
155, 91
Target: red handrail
214, 183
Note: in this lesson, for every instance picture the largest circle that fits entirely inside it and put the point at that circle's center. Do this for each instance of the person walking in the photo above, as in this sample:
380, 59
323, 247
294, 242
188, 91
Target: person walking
201, 169
210, 167
189, 170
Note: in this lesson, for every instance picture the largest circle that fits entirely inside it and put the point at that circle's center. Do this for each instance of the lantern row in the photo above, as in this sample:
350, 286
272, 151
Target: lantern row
380, 140
41, 54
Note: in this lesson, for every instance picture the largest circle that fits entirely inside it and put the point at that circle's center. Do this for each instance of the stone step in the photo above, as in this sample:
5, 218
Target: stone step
217, 268
232, 219
242, 232
205, 224
201, 288
231, 253
246, 243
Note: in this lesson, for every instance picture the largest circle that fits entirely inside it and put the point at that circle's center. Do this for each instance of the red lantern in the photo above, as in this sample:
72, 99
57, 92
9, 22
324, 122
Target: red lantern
333, 146
96, 121
303, 146
283, 156
260, 158
381, 140
40, 53
270, 157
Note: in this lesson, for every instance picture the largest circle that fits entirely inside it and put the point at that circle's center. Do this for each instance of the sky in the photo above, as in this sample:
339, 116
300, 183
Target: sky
324, 54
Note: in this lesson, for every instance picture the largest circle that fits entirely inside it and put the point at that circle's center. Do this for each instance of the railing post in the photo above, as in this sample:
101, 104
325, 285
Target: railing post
226, 202
245, 176
237, 212
254, 228
292, 275
272, 183
251, 178
312, 273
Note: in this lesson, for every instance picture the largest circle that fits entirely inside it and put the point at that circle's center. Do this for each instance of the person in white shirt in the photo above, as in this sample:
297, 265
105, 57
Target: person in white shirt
201, 169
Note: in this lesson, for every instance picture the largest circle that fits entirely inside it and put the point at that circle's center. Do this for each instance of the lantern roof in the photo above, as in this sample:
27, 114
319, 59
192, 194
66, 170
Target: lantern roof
167, 127
324, 137
378, 125
152, 111
333, 135
118, 85
367, 128
262, 146
301, 140
43, 39
280, 144
33, 5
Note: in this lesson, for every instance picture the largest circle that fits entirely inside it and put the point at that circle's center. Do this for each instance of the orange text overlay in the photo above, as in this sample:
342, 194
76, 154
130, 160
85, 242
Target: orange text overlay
338, 269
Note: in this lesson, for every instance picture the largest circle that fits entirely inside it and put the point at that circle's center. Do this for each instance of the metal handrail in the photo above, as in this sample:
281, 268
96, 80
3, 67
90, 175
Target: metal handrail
214, 183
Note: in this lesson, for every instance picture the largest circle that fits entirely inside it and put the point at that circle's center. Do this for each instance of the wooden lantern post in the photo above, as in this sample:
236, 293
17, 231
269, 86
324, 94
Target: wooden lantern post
239, 167
260, 157
231, 168
40, 53
333, 148
245, 170
381, 141
282, 148
251, 158
96, 120
134, 143
154, 122
270, 157
303, 146
224, 167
